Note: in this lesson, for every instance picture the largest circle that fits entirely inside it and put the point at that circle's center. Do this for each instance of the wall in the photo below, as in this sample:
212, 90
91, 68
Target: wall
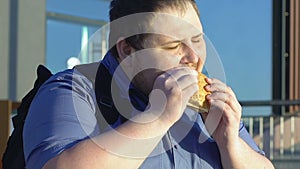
4, 47
22, 45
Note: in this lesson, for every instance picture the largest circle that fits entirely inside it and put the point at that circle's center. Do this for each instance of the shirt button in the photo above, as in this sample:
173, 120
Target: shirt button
175, 146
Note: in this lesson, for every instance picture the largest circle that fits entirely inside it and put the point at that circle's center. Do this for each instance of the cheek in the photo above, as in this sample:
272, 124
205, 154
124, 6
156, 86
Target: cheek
157, 59
201, 51
150, 75
166, 60
145, 79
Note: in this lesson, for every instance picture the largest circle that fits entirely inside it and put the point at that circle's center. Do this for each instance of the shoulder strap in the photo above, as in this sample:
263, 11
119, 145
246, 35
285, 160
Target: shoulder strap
43, 74
89, 70
102, 80
13, 156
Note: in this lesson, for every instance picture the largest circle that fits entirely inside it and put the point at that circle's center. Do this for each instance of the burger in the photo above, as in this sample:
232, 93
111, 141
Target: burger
198, 101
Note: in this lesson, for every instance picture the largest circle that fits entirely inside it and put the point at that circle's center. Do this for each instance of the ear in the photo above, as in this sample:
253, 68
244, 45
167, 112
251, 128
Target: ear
124, 49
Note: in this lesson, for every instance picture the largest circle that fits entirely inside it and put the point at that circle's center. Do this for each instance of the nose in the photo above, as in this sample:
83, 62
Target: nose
188, 56
192, 58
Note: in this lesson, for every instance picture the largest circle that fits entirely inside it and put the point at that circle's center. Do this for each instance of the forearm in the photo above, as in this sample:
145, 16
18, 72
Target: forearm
114, 149
241, 156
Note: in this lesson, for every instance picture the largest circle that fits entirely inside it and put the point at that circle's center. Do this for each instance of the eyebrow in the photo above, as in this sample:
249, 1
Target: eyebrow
197, 36
179, 41
171, 42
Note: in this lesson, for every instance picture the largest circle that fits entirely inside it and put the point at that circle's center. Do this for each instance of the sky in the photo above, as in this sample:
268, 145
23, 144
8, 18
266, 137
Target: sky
240, 30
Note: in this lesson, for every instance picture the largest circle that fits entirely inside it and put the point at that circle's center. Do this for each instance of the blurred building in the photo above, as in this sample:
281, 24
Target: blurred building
26, 37
22, 45
286, 76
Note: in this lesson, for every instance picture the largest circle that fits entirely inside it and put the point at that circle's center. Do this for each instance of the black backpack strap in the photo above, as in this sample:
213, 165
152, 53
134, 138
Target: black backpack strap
13, 157
98, 74
43, 74
103, 88
89, 70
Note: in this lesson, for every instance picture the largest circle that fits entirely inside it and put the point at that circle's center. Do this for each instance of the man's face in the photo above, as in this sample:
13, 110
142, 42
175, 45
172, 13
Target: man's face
178, 41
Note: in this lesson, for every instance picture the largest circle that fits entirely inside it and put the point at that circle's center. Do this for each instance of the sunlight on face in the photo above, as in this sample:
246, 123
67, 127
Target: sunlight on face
179, 35
175, 40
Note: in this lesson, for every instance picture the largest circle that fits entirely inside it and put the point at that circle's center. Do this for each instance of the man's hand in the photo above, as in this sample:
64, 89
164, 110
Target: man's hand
225, 112
173, 89
223, 123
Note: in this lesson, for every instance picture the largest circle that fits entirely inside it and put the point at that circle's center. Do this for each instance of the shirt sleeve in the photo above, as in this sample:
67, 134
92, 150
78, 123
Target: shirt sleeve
248, 139
61, 115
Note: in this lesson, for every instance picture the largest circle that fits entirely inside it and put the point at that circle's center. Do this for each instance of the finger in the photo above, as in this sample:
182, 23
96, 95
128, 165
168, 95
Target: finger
219, 86
189, 91
229, 96
224, 110
176, 80
187, 80
181, 77
230, 91
218, 96
177, 72
219, 107
214, 87
213, 80
227, 99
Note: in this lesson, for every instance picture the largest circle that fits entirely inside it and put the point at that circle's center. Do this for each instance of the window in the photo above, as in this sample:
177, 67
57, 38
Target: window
67, 33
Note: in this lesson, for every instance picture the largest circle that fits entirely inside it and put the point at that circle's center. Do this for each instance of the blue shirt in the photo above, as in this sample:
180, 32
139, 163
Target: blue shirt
63, 113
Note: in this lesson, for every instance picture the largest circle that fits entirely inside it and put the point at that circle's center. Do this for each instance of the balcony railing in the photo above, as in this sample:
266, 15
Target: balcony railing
278, 136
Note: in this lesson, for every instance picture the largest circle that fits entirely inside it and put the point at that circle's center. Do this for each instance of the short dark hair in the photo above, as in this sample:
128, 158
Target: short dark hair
121, 8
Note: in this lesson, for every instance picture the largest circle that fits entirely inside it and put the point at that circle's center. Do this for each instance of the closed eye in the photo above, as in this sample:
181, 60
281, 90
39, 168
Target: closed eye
171, 45
198, 38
